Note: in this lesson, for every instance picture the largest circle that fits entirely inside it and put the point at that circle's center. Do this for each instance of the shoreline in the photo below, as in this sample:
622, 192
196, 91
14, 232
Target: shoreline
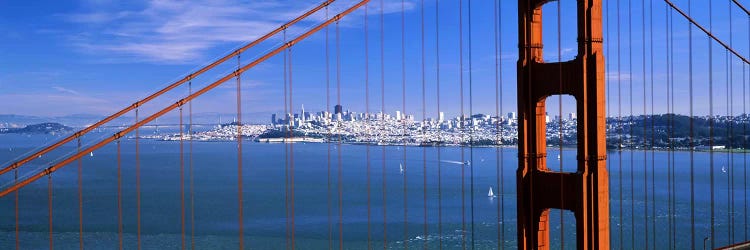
566, 147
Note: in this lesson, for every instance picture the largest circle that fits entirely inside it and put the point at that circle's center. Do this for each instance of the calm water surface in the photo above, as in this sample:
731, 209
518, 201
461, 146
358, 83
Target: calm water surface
393, 197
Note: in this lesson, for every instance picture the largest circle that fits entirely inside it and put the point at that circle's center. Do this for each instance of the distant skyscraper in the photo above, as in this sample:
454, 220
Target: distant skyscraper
512, 116
338, 109
441, 117
273, 119
398, 115
572, 116
303, 113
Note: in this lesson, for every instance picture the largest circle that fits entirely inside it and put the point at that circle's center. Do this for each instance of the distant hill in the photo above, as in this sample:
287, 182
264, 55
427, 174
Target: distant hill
41, 128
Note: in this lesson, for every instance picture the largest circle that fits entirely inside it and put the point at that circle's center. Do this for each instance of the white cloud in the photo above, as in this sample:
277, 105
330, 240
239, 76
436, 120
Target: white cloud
613, 76
64, 90
180, 31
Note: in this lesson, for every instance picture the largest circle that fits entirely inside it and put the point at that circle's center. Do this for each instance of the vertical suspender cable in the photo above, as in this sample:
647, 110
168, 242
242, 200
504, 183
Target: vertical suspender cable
672, 164
645, 144
328, 111
338, 147
239, 154
367, 111
424, 118
560, 122
712, 235
80, 197
653, 127
630, 122
463, 118
119, 196
49, 203
288, 119
291, 149
190, 163
382, 85
137, 182
674, 112
619, 122
182, 182
729, 153
403, 100
440, 142
471, 131
745, 141
692, 165
731, 127
498, 128
15, 180
669, 138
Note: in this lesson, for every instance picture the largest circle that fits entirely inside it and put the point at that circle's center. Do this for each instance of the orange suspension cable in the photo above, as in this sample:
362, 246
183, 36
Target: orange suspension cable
202, 91
708, 33
164, 90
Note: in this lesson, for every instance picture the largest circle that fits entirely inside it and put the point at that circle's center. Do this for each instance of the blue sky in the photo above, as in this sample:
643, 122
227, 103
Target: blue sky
97, 56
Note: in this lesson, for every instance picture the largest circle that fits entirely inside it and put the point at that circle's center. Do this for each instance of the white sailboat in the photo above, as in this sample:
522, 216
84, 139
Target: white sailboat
91, 154
490, 193
401, 166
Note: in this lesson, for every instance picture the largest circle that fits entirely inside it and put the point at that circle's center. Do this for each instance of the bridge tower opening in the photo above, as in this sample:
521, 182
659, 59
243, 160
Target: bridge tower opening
584, 192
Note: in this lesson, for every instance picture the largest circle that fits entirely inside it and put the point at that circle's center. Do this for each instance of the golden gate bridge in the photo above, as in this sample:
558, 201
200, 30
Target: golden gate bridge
540, 188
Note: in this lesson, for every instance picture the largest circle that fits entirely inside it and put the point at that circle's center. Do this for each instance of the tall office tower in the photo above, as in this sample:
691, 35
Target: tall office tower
338, 109
441, 117
273, 119
398, 115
